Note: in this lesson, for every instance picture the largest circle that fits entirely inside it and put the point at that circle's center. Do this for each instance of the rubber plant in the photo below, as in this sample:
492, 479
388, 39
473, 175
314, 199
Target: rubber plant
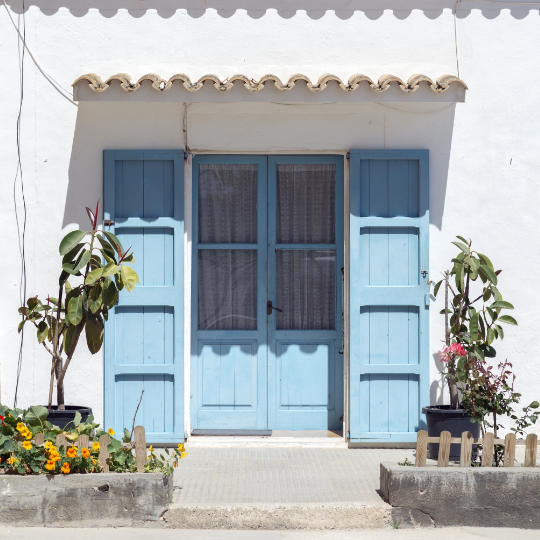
473, 314
94, 270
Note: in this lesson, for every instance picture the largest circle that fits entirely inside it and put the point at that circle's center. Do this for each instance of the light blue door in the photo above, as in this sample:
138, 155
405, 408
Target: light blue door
144, 207
389, 293
266, 297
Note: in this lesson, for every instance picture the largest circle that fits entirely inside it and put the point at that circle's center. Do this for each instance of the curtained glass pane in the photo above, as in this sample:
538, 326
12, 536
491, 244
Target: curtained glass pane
227, 284
306, 204
227, 203
306, 289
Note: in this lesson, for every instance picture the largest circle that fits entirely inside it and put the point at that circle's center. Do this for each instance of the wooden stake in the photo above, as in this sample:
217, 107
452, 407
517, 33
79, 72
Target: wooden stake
509, 450
465, 455
140, 447
421, 448
103, 457
444, 449
83, 441
487, 449
530, 450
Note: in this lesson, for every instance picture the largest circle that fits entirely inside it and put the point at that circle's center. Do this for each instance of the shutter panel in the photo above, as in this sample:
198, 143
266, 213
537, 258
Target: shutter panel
389, 293
144, 336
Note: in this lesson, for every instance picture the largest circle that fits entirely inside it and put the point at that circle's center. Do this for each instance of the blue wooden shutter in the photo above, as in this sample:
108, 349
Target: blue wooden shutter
389, 293
144, 337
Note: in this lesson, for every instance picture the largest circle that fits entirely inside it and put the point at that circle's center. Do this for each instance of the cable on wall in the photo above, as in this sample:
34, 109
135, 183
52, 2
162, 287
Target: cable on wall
18, 187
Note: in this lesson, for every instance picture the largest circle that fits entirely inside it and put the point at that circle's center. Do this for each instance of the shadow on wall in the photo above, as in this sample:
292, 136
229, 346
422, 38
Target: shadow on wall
315, 9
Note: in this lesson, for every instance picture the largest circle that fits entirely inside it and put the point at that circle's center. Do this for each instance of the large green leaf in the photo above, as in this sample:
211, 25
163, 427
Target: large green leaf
508, 319
70, 241
75, 310
107, 249
95, 298
36, 413
129, 277
94, 334
113, 241
42, 331
109, 293
73, 268
437, 287
461, 246
502, 304
473, 325
69, 338
72, 253
93, 276
110, 269
489, 272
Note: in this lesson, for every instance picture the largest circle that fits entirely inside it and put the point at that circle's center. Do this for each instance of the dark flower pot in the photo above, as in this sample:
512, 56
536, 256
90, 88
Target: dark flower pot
63, 418
456, 421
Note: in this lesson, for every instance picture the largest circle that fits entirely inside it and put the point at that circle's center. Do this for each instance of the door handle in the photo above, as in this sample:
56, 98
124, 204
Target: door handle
270, 307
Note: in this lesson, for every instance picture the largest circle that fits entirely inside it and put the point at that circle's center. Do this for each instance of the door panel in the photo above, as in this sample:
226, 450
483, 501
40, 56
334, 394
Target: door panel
144, 200
305, 254
229, 292
389, 301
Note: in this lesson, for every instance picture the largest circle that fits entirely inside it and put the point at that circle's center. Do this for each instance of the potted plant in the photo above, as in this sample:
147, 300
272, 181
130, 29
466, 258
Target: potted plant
95, 262
473, 311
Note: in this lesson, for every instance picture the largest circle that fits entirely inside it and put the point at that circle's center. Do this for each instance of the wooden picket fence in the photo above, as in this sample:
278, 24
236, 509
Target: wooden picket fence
488, 442
83, 441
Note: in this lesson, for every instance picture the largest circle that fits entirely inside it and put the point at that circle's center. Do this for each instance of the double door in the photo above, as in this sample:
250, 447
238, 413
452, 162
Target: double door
267, 292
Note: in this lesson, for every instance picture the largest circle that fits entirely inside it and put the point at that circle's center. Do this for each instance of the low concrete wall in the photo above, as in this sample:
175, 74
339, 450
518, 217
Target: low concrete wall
495, 497
104, 499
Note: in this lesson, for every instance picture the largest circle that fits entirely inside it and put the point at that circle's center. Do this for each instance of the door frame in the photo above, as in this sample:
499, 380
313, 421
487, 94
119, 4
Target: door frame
264, 199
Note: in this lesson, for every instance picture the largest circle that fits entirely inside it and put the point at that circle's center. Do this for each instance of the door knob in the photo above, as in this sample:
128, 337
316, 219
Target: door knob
270, 307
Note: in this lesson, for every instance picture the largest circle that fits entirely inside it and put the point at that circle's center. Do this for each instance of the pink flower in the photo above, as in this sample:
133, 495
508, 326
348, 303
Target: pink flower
457, 349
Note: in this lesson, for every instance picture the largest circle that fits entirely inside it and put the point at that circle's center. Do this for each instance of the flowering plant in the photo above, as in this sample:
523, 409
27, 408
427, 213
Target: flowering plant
96, 262
472, 325
21, 454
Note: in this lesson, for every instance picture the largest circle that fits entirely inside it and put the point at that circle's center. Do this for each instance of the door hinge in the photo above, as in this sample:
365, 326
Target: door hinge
108, 222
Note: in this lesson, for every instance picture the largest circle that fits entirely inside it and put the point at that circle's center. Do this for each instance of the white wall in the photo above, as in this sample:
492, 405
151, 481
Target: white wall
484, 153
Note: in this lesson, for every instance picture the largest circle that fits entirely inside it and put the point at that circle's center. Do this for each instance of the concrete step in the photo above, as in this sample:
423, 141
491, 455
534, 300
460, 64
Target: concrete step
278, 516
234, 441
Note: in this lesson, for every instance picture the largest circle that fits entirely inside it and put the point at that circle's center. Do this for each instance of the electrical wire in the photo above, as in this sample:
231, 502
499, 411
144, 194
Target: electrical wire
20, 220
48, 78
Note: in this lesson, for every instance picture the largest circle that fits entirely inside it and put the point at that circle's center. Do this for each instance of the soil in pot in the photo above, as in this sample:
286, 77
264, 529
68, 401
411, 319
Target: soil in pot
444, 418
62, 418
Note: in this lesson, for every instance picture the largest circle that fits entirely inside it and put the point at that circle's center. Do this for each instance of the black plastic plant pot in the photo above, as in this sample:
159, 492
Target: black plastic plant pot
444, 418
63, 418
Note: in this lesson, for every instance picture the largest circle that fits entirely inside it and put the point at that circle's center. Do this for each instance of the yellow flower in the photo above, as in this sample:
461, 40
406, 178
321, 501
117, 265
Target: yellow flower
12, 460
183, 455
28, 434
85, 453
151, 448
27, 445
95, 446
20, 426
94, 461
51, 465
48, 445
72, 452
181, 447
54, 456
110, 431
65, 468
175, 463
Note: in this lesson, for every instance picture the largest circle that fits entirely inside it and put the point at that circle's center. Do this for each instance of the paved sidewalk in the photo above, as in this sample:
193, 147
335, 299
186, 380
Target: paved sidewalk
128, 533
280, 488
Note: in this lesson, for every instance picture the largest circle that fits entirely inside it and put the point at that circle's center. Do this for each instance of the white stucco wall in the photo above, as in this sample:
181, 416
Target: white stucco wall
484, 156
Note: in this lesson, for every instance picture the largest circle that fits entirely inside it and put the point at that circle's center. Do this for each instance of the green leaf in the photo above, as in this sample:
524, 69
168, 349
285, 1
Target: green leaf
114, 445
73, 268
534, 405
95, 298
127, 435
473, 325
502, 304
77, 419
70, 241
21, 324
68, 287
489, 273
485, 260
71, 254
491, 336
93, 276
113, 241
109, 293
437, 287
129, 277
110, 269
39, 412
461, 246
464, 240
508, 319
500, 331
107, 248
94, 334
69, 338
42, 331
75, 310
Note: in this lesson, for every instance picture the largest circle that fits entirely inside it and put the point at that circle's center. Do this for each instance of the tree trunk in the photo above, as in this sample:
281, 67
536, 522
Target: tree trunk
454, 396
59, 387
